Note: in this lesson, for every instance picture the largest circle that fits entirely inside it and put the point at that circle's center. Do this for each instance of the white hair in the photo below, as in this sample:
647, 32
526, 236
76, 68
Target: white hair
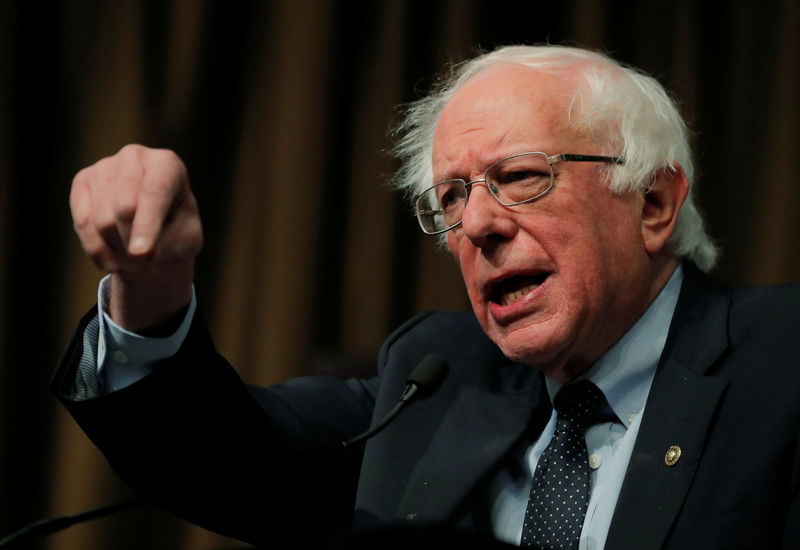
627, 111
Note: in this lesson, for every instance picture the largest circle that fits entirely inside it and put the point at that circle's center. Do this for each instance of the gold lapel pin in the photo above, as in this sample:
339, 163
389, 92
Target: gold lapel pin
672, 456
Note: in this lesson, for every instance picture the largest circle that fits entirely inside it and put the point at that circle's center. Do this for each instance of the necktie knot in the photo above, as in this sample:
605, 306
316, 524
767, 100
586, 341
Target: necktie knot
577, 405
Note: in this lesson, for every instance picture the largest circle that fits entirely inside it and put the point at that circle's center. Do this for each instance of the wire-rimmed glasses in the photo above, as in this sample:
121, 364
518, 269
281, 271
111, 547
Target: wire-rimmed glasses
514, 180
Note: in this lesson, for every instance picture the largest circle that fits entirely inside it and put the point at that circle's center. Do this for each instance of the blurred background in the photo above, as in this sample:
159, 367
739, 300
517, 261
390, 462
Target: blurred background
281, 111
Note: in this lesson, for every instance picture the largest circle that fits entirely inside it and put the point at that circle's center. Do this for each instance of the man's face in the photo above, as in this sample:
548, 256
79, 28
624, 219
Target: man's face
555, 282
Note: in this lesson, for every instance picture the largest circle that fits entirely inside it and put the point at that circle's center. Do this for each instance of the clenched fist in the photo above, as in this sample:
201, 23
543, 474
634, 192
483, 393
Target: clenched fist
136, 218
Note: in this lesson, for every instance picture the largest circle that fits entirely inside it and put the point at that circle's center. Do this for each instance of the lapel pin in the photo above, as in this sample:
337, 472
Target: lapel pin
672, 456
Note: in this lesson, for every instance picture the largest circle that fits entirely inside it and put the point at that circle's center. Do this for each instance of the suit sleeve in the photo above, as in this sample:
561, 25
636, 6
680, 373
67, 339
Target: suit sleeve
251, 463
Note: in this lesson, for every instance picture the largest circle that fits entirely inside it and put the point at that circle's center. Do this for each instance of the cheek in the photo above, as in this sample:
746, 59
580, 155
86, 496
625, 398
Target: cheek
579, 248
600, 257
597, 231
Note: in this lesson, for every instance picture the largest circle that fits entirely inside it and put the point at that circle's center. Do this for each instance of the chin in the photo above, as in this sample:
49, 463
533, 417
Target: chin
532, 346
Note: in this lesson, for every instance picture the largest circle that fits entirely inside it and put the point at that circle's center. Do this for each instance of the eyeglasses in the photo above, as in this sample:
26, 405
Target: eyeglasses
518, 179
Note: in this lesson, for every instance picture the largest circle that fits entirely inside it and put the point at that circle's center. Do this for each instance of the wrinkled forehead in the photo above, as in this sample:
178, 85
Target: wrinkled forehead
502, 107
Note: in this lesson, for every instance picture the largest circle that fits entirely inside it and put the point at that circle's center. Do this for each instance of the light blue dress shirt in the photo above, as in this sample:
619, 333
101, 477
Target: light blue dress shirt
624, 374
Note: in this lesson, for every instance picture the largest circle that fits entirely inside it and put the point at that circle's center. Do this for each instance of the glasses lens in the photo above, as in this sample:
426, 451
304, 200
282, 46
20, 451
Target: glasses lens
440, 207
520, 178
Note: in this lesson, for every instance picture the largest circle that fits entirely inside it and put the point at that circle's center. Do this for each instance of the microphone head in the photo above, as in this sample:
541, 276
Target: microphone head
429, 373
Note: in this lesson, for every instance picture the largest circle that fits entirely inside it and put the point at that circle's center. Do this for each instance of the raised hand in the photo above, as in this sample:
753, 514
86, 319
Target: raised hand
137, 218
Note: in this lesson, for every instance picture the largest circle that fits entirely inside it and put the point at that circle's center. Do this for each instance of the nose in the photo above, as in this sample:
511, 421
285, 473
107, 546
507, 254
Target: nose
484, 220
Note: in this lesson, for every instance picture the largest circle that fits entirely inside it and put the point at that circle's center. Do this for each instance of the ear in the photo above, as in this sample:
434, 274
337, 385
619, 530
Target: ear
661, 206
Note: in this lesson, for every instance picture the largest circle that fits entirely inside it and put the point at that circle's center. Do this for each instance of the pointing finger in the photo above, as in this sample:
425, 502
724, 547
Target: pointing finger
163, 187
127, 183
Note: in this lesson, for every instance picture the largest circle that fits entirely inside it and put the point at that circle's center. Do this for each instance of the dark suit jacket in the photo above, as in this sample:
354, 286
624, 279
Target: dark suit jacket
258, 463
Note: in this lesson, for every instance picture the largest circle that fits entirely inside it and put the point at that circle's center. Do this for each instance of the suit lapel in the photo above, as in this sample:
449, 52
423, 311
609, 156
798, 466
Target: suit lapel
478, 430
679, 410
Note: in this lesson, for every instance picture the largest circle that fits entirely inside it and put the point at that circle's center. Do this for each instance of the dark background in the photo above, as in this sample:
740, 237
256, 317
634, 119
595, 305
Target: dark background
280, 110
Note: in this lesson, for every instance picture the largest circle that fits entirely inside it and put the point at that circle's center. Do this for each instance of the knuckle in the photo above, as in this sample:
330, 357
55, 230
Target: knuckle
81, 177
170, 158
164, 155
101, 169
131, 149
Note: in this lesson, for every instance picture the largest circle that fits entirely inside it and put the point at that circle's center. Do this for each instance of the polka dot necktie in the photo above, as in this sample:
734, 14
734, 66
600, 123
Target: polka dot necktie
560, 490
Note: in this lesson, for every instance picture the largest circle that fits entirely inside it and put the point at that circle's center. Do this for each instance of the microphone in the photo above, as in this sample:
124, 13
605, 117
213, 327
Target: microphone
426, 378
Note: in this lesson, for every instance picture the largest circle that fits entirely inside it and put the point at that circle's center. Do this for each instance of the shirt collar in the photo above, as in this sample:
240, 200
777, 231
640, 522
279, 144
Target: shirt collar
625, 372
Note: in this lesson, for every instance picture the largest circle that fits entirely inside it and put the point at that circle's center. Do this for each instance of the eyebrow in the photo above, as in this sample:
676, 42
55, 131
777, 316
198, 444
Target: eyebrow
454, 174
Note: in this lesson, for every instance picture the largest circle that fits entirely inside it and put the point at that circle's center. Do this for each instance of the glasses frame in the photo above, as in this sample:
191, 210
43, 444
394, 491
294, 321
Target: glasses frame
551, 160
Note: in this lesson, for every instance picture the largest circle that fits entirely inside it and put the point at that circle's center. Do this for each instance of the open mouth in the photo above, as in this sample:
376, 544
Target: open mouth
508, 291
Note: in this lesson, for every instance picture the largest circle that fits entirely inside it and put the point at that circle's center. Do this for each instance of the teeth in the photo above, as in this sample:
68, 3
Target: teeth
511, 297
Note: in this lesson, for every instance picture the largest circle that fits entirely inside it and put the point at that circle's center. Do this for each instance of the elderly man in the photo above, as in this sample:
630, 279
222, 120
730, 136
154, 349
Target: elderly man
604, 392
